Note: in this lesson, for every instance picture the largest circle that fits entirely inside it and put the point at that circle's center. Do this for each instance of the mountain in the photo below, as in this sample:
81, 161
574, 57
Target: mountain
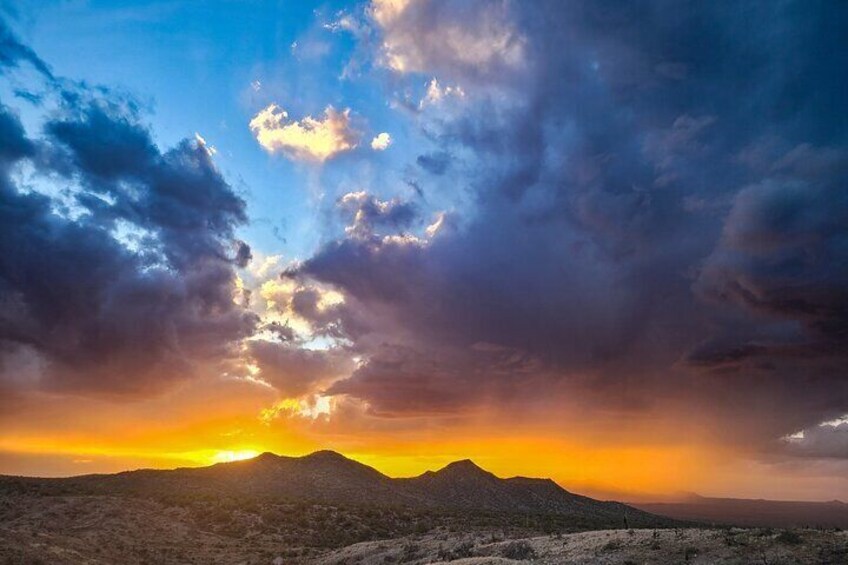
466, 486
329, 478
747, 512
321, 477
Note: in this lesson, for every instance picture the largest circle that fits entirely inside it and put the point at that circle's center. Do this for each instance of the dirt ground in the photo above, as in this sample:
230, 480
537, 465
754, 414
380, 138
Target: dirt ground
106, 530
724, 546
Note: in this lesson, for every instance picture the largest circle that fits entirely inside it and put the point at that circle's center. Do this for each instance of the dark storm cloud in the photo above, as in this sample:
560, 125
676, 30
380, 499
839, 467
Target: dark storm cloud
828, 440
368, 213
244, 255
784, 243
179, 192
659, 190
434, 163
14, 144
126, 282
426, 375
294, 371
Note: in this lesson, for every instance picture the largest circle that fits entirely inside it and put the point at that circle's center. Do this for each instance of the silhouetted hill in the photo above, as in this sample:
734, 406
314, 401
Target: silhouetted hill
322, 477
464, 485
329, 478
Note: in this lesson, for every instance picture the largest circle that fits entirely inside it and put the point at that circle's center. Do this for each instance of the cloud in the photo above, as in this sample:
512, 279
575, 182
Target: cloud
381, 142
296, 372
647, 224
308, 139
404, 381
782, 253
436, 94
592, 130
84, 308
201, 142
828, 439
13, 53
368, 213
434, 163
15, 144
472, 36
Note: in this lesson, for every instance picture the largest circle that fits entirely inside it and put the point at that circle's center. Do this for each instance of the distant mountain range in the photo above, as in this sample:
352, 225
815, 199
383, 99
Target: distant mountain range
749, 512
328, 478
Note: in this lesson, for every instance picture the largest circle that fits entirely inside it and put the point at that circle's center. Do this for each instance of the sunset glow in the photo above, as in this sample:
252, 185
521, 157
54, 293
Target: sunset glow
606, 244
229, 456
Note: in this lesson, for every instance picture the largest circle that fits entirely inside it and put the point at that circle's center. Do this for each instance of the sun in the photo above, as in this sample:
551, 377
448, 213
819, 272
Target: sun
238, 455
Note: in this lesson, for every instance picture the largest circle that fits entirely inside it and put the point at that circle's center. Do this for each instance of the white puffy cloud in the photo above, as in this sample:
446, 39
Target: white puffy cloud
381, 142
308, 139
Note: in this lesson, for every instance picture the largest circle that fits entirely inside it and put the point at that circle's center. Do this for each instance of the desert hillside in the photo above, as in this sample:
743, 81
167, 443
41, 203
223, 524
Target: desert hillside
66, 530
326, 508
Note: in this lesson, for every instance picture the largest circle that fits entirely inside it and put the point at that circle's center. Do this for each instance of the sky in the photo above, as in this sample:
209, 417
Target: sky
604, 242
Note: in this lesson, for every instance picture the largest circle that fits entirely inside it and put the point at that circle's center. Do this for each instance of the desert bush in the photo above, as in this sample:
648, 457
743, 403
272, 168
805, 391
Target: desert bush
612, 545
459, 551
518, 550
411, 551
789, 538
463, 550
732, 540
655, 540
690, 553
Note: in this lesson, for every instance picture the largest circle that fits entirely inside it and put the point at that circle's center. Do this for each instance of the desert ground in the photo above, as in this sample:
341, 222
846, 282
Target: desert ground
690, 545
108, 530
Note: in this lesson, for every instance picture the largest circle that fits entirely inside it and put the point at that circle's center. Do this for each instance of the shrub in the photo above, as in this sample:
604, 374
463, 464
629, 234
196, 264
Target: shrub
612, 545
464, 549
518, 550
410, 552
789, 538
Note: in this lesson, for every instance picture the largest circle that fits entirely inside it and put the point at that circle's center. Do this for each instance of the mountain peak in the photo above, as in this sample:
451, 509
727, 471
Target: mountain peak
463, 468
463, 464
326, 455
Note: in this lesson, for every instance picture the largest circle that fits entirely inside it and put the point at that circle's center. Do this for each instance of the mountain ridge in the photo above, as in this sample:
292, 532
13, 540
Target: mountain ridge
330, 478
